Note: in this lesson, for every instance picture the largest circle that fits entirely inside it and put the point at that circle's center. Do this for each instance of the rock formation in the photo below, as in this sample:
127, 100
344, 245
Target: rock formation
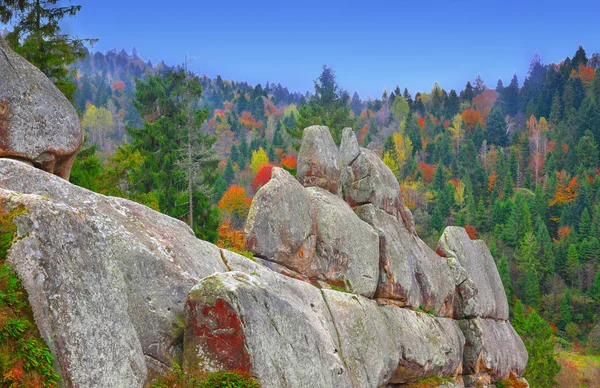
38, 124
341, 293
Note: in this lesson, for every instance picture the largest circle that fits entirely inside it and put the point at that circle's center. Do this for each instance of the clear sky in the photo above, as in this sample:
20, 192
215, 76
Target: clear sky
370, 44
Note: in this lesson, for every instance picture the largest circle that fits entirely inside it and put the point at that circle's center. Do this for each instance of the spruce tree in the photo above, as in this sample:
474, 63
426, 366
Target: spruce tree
496, 128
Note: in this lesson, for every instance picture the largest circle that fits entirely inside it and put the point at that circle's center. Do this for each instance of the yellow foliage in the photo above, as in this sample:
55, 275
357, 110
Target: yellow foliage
404, 148
389, 161
259, 160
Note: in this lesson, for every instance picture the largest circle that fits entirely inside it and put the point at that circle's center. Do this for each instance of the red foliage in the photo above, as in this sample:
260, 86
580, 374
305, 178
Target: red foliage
248, 120
118, 85
471, 232
427, 171
228, 105
455, 182
262, 177
289, 162
551, 145
472, 118
484, 102
421, 122
446, 124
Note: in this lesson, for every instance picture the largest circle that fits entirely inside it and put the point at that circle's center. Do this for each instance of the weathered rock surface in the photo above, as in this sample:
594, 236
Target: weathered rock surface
480, 292
347, 248
410, 271
388, 344
276, 327
318, 160
280, 223
107, 278
37, 123
366, 179
492, 349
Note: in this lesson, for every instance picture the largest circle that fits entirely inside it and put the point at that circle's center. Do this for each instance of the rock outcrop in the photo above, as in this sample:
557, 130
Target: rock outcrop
38, 124
107, 278
342, 292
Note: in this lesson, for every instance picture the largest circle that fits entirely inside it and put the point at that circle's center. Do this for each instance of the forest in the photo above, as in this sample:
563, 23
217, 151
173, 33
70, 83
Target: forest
516, 163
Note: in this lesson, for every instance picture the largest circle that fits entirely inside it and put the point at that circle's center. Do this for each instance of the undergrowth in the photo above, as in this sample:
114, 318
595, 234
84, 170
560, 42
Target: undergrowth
177, 379
428, 382
25, 360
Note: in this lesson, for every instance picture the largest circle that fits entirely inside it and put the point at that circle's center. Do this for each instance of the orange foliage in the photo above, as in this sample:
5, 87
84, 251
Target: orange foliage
586, 74
566, 191
219, 113
472, 118
118, 85
228, 105
446, 124
235, 201
262, 177
484, 101
471, 232
289, 162
427, 171
363, 132
455, 182
230, 238
563, 232
248, 120
421, 122
551, 145
492, 181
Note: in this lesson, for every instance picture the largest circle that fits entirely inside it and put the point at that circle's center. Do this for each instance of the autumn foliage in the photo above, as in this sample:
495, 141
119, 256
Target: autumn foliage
566, 191
427, 171
235, 201
262, 177
472, 118
230, 238
483, 102
471, 232
289, 162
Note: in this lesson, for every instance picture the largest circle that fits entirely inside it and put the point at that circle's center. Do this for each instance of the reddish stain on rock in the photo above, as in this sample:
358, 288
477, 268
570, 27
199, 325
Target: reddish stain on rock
219, 330
4, 117
440, 252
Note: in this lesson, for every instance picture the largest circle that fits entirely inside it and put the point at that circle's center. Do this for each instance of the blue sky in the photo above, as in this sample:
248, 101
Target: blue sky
370, 44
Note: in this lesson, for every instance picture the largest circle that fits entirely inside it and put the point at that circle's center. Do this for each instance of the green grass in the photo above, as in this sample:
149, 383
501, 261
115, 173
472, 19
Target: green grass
578, 370
177, 379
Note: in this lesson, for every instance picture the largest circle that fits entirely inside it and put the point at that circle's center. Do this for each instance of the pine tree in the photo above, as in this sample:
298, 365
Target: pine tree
572, 267
585, 224
228, 174
540, 342
496, 128
38, 37
504, 272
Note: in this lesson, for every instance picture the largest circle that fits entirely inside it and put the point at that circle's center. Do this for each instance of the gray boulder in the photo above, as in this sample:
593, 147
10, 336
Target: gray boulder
318, 160
480, 292
388, 344
107, 278
347, 249
38, 124
366, 179
409, 271
280, 222
493, 349
275, 327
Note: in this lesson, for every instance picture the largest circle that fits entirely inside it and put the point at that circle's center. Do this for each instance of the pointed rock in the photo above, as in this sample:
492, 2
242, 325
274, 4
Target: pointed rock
318, 160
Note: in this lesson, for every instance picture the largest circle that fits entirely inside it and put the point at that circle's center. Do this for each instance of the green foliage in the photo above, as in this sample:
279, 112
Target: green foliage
539, 341
37, 36
177, 379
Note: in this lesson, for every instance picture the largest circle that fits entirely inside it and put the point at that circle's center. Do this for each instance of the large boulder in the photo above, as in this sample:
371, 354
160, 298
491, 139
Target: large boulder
107, 278
366, 179
347, 248
277, 328
280, 222
318, 159
479, 289
409, 271
493, 350
37, 123
389, 344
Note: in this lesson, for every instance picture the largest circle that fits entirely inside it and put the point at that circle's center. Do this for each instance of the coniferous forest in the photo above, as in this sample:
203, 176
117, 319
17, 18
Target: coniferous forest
514, 161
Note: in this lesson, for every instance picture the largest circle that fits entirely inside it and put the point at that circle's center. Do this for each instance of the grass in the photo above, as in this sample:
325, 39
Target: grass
25, 360
428, 382
578, 370
177, 379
